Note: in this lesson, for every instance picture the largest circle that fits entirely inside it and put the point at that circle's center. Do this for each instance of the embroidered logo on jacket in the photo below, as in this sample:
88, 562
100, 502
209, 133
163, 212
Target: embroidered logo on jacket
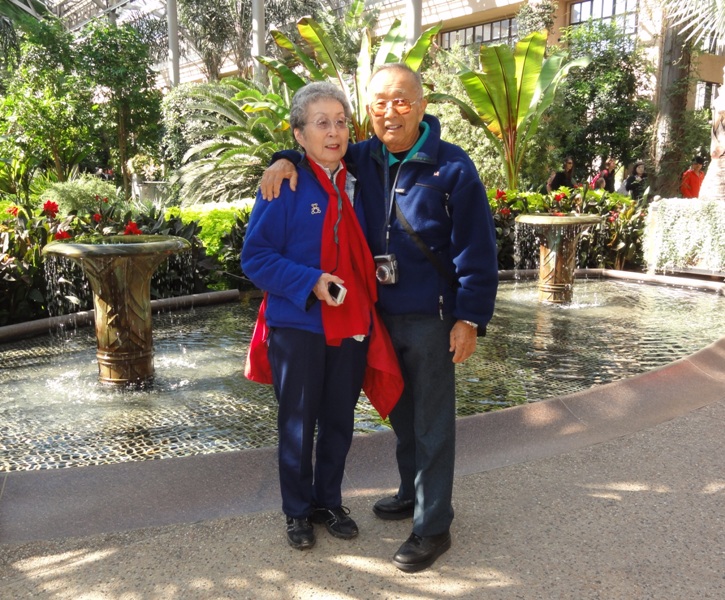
315, 209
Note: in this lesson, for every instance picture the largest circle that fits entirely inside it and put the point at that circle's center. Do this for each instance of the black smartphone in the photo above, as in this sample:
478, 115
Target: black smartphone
337, 291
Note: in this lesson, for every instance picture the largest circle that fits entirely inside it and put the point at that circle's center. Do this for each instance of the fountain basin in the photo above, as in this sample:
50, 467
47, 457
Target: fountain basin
119, 269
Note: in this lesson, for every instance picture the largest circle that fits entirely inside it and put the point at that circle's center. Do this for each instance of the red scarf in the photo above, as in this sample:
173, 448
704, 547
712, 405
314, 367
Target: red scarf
350, 259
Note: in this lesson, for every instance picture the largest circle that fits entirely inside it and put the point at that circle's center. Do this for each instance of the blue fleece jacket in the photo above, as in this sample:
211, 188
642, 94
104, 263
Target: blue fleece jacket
281, 252
442, 197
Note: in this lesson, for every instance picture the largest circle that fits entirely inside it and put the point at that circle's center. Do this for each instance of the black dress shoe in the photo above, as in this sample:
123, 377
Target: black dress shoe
300, 533
337, 521
393, 508
418, 553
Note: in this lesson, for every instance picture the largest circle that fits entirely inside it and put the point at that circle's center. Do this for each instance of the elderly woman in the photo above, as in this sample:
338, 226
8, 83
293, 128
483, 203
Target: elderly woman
302, 249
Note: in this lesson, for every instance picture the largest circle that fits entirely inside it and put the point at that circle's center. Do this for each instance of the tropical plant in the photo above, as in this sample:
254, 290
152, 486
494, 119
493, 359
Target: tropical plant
701, 18
442, 75
227, 166
247, 122
206, 24
325, 65
510, 93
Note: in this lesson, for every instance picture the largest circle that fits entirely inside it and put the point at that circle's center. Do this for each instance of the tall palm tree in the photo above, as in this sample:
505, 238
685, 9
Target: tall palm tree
701, 19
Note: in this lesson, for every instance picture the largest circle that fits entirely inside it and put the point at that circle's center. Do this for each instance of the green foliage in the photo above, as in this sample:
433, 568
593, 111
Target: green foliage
47, 112
207, 24
81, 195
118, 61
686, 233
320, 61
215, 222
246, 124
604, 109
535, 16
617, 243
441, 75
181, 127
222, 234
510, 94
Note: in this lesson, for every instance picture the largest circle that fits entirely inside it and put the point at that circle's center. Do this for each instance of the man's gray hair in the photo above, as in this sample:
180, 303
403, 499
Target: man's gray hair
402, 67
311, 93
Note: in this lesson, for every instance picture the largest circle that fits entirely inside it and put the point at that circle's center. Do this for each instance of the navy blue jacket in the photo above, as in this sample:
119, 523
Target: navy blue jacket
442, 197
281, 252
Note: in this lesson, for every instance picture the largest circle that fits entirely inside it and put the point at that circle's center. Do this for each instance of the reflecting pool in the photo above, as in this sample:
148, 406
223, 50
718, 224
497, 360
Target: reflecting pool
54, 413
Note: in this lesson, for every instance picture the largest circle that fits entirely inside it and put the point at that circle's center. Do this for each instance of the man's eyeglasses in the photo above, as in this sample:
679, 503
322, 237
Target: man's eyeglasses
400, 105
326, 124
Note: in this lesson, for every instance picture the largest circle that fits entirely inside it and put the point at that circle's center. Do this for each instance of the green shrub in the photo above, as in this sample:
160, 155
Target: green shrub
81, 195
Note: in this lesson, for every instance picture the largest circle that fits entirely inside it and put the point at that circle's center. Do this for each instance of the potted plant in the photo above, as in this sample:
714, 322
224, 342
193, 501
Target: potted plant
147, 177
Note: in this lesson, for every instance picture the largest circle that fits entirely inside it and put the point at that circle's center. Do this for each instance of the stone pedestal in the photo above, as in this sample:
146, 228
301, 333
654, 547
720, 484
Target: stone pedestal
558, 238
119, 270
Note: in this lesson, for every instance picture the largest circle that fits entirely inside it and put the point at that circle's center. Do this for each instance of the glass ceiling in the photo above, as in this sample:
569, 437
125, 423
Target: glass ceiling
76, 13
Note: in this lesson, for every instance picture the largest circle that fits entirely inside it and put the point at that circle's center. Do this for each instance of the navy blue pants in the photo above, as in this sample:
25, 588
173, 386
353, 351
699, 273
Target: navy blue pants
316, 386
424, 420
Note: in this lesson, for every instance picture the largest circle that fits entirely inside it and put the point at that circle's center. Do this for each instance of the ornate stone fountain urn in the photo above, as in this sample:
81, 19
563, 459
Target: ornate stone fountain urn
119, 269
558, 238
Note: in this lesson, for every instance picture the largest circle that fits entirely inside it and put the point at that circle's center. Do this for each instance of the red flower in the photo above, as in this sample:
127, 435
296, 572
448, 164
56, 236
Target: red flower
13, 210
50, 208
500, 194
62, 235
505, 211
559, 197
105, 200
132, 229
612, 216
97, 217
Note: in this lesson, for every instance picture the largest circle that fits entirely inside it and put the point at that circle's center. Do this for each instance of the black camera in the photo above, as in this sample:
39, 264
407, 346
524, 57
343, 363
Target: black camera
386, 269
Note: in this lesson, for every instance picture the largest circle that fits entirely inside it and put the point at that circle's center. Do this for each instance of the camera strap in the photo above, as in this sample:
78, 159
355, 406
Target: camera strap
445, 273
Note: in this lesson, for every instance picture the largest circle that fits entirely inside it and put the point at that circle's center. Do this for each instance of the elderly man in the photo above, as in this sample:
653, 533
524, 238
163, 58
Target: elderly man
430, 228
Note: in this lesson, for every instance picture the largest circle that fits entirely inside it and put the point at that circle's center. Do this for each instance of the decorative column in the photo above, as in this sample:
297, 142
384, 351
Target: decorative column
119, 270
558, 239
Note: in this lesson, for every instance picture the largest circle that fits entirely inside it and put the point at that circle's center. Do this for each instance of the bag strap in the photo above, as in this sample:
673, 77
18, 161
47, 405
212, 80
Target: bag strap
445, 273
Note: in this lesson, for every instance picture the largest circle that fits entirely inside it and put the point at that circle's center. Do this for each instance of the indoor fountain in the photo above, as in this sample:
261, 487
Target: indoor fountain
558, 237
119, 269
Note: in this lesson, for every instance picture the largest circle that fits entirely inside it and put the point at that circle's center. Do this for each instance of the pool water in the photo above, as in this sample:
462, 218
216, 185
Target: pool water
55, 414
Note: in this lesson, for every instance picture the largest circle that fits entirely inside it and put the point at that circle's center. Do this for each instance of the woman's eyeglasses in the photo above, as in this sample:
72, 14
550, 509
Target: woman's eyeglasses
326, 124
400, 105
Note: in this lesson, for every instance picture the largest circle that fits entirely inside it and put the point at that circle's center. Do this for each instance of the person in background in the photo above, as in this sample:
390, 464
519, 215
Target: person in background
636, 183
563, 178
692, 179
432, 233
606, 173
302, 250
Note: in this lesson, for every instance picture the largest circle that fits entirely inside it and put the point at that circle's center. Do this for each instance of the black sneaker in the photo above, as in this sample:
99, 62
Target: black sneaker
300, 533
337, 521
